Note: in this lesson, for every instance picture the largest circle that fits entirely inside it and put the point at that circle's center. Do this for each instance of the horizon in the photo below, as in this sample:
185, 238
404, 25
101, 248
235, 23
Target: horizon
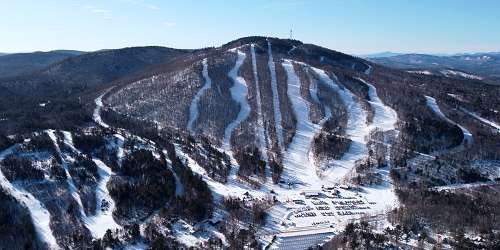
423, 27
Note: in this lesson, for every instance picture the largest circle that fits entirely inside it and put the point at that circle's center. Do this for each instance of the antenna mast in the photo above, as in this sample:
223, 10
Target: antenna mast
291, 34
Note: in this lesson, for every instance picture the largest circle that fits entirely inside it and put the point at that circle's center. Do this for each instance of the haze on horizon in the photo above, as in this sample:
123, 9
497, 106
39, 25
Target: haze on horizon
355, 27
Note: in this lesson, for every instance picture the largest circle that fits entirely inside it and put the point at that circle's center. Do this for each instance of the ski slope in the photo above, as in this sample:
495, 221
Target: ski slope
385, 118
357, 130
485, 121
193, 108
39, 214
103, 220
120, 153
298, 168
432, 104
276, 101
260, 120
69, 179
97, 111
239, 93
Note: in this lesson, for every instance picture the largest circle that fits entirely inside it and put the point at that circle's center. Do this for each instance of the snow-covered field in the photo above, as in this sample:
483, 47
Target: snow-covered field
193, 108
432, 104
39, 214
239, 93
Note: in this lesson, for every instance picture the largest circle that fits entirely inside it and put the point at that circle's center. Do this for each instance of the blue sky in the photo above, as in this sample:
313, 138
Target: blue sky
351, 26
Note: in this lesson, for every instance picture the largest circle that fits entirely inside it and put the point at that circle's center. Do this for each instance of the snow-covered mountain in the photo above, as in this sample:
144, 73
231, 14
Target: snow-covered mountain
259, 143
477, 66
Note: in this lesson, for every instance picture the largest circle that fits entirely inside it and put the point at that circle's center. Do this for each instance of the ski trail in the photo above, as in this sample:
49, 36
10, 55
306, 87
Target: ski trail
487, 122
120, 154
69, 179
39, 214
97, 111
276, 101
239, 94
463, 186
313, 91
385, 118
299, 168
368, 70
357, 131
193, 108
103, 218
260, 119
179, 189
432, 104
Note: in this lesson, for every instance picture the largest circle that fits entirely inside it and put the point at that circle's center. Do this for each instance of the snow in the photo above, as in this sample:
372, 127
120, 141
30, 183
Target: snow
486, 121
68, 141
463, 186
120, 154
69, 179
385, 118
183, 232
103, 218
179, 189
193, 108
97, 111
260, 120
449, 72
276, 101
298, 168
357, 131
421, 72
432, 104
239, 94
39, 214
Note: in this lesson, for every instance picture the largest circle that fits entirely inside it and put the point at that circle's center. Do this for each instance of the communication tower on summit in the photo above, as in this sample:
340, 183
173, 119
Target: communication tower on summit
291, 34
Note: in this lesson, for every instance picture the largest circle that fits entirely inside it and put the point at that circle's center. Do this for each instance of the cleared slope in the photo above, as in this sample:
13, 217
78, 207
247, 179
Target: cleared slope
193, 108
239, 93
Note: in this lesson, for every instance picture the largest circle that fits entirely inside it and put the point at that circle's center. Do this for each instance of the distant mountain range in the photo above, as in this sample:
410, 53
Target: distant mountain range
22, 63
483, 66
